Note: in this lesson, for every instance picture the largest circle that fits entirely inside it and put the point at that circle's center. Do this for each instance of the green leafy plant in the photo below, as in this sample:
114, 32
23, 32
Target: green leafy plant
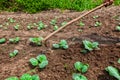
95, 17
63, 23
53, 22
40, 60
118, 28
14, 53
76, 76
16, 27
113, 72
41, 25
29, 27
11, 20
14, 40
119, 60
25, 76
81, 23
90, 45
97, 24
12, 78
79, 66
62, 44
2, 40
34, 61
36, 40
55, 27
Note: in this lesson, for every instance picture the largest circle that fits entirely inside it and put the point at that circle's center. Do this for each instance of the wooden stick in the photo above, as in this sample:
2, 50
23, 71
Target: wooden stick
70, 22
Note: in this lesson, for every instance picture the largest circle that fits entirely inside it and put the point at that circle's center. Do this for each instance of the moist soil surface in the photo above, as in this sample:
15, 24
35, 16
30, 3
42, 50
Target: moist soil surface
61, 61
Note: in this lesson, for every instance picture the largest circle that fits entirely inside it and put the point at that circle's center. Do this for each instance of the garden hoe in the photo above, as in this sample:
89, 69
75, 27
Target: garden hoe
72, 21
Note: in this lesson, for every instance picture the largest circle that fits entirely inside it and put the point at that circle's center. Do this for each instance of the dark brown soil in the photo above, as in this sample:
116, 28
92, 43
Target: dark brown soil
61, 61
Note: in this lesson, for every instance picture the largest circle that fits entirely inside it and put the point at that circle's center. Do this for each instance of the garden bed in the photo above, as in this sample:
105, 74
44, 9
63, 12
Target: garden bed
61, 62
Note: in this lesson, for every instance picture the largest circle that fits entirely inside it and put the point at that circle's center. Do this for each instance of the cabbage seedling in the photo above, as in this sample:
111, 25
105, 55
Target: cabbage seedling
40, 60
12, 78
118, 28
90, 45
79, 66
14, 53
14, 40
55, 27
29, 77
36, 40
53, 22
81, 24
113, 72
62, 44
63, 23
97, 24
2, 40
41, 25
95, 17
34, 61
119, 60
16, 27
76, 76
11, 20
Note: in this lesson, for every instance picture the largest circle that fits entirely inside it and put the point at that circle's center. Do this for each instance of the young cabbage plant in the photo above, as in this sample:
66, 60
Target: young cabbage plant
119, 60
97, 24
55, 27
2, 40
77, 76
63, 23
118, 28
95, 17
36, 40
16, 27
13, 54
81, 67
90, 45
81, 23
29, 77
14, 40
12, 78
53, 22
62, 44
41, 25
11, 20
40, 60
113, 72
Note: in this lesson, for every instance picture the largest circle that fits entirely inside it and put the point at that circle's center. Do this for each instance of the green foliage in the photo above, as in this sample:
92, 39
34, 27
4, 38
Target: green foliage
33, 6
55, 27
11, 20
14, 53
113, 72
97, 24
16, 27
95, 17
12, 78
36, 40
119, 60
79, 66
40, 60
63, 23
76, 76
118, 28
53, 22
29, 27
14, 40
25, 77
34, 61
81, 23
62, 44
90, 45
2, 40
41, 25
